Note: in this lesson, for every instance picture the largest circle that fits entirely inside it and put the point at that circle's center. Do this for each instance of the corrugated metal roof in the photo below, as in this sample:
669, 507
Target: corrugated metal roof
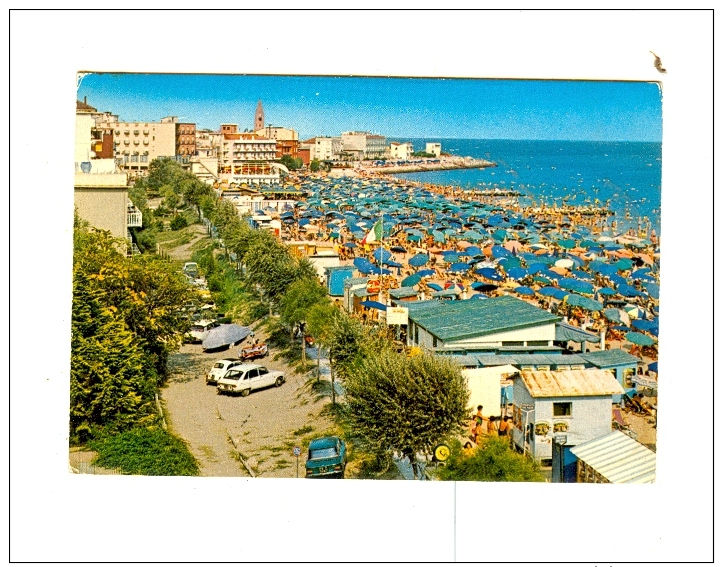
609, 358
456, 320
521, 359
618, 458
402, 292
569, 383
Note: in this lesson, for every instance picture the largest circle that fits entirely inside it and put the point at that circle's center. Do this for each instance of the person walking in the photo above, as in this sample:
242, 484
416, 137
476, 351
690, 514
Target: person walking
504, 428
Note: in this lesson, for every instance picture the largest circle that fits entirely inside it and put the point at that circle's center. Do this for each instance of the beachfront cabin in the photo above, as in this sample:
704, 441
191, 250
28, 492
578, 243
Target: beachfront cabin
566, 333
265, 222
403, 294
487, 326
572, 403
614, 458
324, 259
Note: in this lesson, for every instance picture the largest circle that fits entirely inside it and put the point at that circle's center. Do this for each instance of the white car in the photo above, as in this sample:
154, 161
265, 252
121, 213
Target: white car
200, 329
247, 377
220, 367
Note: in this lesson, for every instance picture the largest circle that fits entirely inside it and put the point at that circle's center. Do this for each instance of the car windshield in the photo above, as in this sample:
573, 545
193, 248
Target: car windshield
325, 453
198, 328
218, 365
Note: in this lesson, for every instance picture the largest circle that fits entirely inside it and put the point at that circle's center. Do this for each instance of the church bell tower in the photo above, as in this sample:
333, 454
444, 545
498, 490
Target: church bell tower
259, 119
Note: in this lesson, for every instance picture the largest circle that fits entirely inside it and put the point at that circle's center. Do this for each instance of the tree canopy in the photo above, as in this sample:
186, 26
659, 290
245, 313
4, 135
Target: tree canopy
493, 461
395, 402
125, 322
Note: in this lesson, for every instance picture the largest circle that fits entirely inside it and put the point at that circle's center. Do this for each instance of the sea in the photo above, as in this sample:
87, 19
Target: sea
622, 176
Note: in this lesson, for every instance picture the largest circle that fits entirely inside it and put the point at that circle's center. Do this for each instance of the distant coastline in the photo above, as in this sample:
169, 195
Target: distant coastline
420, 165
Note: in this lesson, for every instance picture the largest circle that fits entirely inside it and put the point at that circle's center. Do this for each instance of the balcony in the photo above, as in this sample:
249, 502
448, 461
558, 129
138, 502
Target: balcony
135, 217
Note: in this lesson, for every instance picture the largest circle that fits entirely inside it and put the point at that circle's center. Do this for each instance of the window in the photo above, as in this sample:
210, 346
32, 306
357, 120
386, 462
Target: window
513, 343
562, 409
537, 343
434, 342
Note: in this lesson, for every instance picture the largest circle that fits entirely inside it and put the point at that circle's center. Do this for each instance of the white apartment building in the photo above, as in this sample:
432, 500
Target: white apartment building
363, 145
326, 148
433, 148
399, 150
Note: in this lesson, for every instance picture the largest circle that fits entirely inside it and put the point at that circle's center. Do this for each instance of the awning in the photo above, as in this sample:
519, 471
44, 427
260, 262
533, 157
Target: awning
565, 332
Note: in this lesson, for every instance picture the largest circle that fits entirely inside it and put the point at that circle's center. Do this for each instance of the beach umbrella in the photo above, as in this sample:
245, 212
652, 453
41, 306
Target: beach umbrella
602, 268
580, 275
524, 290
542, 280
490, 274
510, 262
458, 267
552, 292
617, 279
587, 244
577, 286
500, 252
639, 339
500, 234
606, 291
399, 249
629, 291
381, 255
653, 290
565, 263
479, 296
434, 286
634, 312
517, 273
557, 270
350, 244
449, 285
614, 315
418, 260
513, 246
426, 273
653, 367
392, 264
623, 264
373, 305
414, 237
584, 302
535, 268
566, 243
647, 326
473, 251
223, 335
409, 281
438, 236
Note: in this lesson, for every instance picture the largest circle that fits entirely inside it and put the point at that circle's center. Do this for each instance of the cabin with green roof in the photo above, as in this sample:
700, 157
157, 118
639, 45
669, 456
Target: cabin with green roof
490, 325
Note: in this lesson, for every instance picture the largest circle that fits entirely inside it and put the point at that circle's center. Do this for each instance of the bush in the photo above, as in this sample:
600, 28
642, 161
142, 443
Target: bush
178, 222
142, 451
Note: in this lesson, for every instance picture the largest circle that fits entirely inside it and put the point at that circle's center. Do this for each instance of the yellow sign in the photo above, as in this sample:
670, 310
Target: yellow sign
442, 452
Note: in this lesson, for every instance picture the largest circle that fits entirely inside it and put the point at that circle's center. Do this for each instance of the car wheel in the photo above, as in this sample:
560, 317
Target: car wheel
279, 381
245, 392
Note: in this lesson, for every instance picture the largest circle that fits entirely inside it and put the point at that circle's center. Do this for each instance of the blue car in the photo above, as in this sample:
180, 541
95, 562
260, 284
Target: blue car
326, 458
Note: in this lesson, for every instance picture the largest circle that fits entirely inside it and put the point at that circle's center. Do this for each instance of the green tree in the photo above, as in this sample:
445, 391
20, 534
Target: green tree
493, 460
296, 303
396, 402
194, 191
110, 389
314, 165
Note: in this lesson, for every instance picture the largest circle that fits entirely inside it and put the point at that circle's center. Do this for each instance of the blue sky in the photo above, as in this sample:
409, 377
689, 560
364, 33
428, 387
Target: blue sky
395, 107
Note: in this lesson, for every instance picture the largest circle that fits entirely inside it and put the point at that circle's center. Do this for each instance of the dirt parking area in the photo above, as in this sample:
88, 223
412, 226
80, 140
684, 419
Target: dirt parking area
262, 428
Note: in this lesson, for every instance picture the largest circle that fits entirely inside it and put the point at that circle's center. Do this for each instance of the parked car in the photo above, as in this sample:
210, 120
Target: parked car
247, 377
199, 330
220, 367
326, 458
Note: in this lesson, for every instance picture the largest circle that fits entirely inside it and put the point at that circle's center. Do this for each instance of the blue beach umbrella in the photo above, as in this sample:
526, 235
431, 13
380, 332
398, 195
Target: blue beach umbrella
645, 325
639, 339
524, 290
490, 274
509, 263
584, 302
577, 286
373, 305
458, 267
425, 273
434, 286
473, 251
623, 264
653, 290
409, 281
500, 252
517, 273
418, 260
629, 291
606, 291
552, 292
